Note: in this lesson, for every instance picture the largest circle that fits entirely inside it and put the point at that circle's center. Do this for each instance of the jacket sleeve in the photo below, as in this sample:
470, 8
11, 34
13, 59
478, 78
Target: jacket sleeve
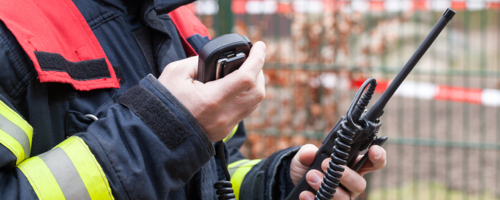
149, 144
260, 178
15, 144
146, 146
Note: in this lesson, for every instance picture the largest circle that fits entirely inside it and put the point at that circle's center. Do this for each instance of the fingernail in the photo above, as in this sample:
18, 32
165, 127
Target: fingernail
325, 164
378, 153
315, 178
307, 197
262, 46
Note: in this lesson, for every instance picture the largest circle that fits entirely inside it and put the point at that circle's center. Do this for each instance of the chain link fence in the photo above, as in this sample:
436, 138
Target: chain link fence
443, 123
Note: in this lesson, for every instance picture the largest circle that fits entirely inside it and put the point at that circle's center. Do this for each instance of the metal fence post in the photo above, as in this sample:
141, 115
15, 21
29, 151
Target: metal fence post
224, 18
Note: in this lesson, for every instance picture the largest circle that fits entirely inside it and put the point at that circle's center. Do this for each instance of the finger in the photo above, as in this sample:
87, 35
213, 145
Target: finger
306, 195
253, 64
254, 94
354, 182
377, 160
244, 77
261, 83
192, 67
188, 66
314, 179
339, 195
247, 102
178, 70
307, 154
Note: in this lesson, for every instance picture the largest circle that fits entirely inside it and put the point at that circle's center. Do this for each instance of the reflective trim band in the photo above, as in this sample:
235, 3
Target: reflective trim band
242, 169
41, 179
234, 166
87, 166
69, 171
10, 143
232, 133
65, 174
15, 133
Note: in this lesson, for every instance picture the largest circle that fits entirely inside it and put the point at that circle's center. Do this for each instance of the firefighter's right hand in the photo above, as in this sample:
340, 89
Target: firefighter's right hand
352, 180
218, 105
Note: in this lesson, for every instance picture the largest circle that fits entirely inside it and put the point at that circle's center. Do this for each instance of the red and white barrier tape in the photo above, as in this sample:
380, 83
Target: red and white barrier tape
430, 91
210, 7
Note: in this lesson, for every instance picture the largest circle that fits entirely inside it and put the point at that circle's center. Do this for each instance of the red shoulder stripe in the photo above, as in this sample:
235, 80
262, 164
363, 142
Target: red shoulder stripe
193, 33
57, 27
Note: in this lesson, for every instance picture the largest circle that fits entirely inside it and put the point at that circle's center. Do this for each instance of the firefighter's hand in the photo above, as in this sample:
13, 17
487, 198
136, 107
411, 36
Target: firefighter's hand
352, 180
218, 105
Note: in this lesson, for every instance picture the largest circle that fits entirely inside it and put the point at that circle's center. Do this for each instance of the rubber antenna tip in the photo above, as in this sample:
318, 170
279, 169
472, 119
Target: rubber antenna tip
449, 13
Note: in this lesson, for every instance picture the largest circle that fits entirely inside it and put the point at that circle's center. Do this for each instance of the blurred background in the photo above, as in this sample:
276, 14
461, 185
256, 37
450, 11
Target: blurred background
443, 122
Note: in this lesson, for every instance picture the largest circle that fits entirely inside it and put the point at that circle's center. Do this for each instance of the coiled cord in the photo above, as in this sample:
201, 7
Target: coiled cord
339, 157
224, 190
356, 109
343, 142
224, 187
363, 102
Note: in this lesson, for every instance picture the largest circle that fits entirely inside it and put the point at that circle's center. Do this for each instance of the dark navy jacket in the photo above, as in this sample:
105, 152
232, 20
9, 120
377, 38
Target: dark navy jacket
148, 145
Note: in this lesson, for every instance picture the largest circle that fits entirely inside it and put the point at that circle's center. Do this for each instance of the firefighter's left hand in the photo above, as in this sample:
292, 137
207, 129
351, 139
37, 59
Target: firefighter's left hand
352, 180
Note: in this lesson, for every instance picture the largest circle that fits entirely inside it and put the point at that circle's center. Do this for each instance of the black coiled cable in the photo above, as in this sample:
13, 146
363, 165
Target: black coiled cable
224, 187
343, 142
339, 157
361, 105
224, 190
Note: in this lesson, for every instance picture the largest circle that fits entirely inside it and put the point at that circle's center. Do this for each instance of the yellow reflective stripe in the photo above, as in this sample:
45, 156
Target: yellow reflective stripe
240, 173
12, 116
234, 166
87, 166
41, 179
15, 133
232, 133
69, 171
65, 173
10, 143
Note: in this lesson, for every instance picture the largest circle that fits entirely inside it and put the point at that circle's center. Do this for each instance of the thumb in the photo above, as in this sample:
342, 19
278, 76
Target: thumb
244, 77
301, 162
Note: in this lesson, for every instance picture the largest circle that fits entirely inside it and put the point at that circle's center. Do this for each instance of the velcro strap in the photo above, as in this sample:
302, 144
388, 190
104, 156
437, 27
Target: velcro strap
57, 28
69, 171
15, 133
238, 170
154, 114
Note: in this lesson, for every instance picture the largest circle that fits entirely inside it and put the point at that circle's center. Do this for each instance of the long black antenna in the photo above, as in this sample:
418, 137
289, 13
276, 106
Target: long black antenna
378, 107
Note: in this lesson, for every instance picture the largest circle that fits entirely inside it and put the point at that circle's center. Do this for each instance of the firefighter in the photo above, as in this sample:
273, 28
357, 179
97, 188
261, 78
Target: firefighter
98, 101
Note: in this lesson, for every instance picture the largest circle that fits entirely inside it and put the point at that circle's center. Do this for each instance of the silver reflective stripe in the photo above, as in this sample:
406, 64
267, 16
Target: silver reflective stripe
65, 174
235, 167
17, 133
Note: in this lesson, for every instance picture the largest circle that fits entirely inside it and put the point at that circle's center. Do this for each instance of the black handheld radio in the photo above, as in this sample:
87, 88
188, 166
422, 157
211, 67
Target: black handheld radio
357, 130
221, 56
217, 58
